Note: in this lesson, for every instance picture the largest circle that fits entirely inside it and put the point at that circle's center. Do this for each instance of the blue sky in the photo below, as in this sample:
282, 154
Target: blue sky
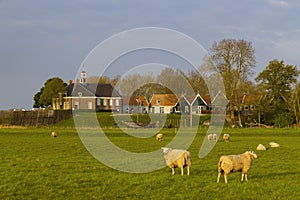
40, 39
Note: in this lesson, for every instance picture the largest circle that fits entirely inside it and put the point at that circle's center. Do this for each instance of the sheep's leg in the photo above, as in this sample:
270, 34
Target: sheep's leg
246, 177
173, 171
219, 175
225, 177
188, 170
182, 171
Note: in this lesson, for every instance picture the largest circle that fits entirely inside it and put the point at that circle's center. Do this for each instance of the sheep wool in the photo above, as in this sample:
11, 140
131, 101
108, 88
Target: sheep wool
226, 137
159, 137
274, 144
261, 147
212, 137
53, 134
235, 163
177, 158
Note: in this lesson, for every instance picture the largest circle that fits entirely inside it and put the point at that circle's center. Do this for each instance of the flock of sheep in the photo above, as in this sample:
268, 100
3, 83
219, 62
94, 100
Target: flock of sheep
227, 163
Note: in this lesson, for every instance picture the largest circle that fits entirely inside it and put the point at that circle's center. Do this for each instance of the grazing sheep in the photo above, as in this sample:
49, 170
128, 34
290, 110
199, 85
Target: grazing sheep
235, 163
53, 134
159, 137
210, 137
274, 144
261, 147
213, 137
177, 158
226, 137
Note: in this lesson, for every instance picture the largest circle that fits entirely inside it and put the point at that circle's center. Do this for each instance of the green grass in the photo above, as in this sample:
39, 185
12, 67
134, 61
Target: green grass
35, 166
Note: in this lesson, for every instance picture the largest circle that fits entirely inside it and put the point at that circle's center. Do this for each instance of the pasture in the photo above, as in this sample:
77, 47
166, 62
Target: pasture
35, 166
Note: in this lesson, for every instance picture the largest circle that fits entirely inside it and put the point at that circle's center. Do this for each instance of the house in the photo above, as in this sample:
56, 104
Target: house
164, 103
199, 104
219, 102
89, 96
135, 104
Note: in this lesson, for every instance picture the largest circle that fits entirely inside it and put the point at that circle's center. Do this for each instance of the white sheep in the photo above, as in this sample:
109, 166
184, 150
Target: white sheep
235, 163
213, 137
53, 134
226, 137
274, 144
177, 158
159, 137
261, 147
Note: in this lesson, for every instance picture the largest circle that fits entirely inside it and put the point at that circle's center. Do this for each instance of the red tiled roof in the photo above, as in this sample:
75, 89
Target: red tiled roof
164, 99
132, 100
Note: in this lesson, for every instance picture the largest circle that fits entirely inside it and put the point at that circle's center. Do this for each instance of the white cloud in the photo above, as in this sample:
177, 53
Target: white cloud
278, 3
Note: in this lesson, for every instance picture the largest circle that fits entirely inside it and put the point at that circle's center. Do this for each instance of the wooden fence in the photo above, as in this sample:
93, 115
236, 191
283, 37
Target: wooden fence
34, 118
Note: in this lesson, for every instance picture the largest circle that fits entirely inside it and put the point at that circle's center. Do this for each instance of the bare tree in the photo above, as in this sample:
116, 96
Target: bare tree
235, 60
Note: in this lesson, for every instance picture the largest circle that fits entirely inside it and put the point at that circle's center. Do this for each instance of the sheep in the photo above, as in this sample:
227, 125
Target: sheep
274, 144
226, 137
53, 134
159, 137
261, 147
209, 137
234, 163
177, 158
213, 137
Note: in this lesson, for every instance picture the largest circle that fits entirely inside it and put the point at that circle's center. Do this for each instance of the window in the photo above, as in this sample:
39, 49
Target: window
76, 105
80, 94
110, 102
186, 109
117, 102
98, 102
162, 110
158, 101
104, 102
90, 105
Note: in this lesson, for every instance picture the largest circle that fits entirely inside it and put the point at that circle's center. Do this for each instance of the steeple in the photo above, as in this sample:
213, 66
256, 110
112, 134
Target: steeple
83, 77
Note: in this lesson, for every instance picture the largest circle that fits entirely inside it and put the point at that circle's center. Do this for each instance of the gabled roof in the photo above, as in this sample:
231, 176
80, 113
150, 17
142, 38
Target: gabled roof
221, 97
191, 99
133, 100
91, 90
164, 100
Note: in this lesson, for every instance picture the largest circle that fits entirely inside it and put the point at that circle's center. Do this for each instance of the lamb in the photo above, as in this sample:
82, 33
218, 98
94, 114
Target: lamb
226, 137
274, 144
53, 134
234, 163
261, 147
177, 158
159, 137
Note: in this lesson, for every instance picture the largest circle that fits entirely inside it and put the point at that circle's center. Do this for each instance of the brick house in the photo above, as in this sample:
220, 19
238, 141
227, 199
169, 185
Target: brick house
89, 96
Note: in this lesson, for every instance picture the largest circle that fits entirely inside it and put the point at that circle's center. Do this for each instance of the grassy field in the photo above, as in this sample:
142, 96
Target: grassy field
35, 166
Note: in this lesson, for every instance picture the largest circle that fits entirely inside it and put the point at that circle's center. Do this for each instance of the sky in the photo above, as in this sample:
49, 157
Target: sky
41, 39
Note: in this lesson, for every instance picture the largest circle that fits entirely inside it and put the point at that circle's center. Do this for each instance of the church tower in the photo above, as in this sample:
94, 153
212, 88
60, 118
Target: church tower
83, 77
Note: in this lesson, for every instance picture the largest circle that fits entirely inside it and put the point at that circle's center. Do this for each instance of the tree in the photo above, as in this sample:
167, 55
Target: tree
197, 82
52, 88
235, 60
296, 103
277, 82
131, 82
176, 81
